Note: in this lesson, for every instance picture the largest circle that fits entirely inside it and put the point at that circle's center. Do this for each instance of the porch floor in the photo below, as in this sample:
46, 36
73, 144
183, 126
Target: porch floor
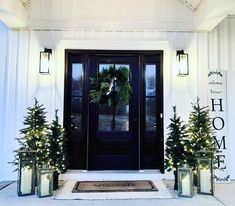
224, 195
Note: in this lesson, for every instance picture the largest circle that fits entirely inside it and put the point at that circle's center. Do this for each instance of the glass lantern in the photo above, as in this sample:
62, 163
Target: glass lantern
45, 182
205, 176
185, 181
26, 173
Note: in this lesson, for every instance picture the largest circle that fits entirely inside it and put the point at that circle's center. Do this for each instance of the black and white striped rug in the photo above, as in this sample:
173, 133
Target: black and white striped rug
4, 184
65, 193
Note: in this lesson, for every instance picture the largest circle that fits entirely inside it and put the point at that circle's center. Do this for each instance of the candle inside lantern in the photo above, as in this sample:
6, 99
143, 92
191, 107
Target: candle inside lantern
45, 185
205, 181
26, 180
186, 185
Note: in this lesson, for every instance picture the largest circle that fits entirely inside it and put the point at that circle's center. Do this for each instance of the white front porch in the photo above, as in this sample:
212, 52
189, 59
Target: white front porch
112, 175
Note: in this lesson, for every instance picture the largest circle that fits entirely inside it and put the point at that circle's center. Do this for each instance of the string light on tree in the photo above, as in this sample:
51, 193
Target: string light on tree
200, 132
57, 150
34, 135
176, 145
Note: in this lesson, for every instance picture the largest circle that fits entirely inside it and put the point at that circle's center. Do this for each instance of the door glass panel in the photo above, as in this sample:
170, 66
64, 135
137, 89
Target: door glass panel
122, 65
150, 75
76, 107
122, 118
105, 118
113, 119
77, 76
104, 66
76, 98
150, 114
117, 122
150, 97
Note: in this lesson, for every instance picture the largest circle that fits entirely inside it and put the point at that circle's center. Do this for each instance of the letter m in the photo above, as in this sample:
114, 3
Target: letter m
220, 143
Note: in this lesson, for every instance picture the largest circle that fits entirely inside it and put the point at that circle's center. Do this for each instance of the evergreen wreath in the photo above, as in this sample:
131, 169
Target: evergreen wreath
111, 86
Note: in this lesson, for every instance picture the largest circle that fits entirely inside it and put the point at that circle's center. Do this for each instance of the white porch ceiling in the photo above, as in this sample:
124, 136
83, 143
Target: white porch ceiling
192, 4
206, 13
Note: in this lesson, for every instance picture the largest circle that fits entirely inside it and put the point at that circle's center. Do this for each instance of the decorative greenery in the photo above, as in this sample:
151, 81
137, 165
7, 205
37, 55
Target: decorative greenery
200, 133
34, 135
111, 86
56, 146
49, 142
176, 145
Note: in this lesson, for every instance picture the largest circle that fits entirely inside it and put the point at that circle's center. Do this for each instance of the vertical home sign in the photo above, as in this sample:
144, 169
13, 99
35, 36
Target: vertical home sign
218, 113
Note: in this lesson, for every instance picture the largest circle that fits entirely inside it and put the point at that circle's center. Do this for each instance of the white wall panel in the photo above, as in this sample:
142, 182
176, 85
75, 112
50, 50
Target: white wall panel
106, 14
230, 119
214, 59
202, 67
10, 108
3, 82
222, 45
232, 44
221, 57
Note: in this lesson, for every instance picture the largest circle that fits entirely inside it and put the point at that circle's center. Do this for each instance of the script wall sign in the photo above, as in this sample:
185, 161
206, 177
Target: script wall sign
218, 112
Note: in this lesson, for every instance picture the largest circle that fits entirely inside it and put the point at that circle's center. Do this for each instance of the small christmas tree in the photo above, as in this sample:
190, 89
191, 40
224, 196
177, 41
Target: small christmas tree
200, 133
34, 135
176, 145
56, 145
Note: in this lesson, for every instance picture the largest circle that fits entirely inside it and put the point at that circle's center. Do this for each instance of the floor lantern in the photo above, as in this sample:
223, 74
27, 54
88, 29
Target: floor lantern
45, 182
185, 181
26, 173
205, 176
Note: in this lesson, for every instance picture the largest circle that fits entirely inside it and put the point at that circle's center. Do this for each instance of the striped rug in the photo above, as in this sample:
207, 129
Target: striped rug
65, 193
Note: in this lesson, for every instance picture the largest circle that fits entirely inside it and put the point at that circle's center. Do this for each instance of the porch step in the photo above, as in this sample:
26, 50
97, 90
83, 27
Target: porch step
111, 175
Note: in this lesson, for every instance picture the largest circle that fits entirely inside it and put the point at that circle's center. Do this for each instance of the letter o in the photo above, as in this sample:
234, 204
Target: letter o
216, 124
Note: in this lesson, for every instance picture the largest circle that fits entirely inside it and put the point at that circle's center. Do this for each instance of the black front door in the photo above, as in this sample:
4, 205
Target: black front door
113, 133
103, 138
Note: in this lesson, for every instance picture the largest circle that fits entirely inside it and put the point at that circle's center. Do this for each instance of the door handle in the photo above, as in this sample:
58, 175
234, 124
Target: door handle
72, 126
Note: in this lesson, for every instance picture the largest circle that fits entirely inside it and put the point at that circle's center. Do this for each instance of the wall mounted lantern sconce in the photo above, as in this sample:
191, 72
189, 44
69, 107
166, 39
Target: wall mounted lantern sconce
182, 60
45, 57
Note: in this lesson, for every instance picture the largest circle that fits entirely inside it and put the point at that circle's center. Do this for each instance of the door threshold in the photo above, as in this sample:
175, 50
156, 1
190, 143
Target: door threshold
112, 175
114, 171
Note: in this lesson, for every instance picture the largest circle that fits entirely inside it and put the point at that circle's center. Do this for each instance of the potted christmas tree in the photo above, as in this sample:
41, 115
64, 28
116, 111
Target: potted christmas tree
56, 145
200, 133
176, 145
34, 135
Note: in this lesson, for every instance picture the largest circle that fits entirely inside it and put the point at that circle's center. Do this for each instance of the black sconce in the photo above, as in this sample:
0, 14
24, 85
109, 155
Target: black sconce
182, 60
45, 57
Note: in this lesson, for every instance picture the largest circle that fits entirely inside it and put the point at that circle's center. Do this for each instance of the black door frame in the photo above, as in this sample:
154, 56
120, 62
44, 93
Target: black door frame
85, 59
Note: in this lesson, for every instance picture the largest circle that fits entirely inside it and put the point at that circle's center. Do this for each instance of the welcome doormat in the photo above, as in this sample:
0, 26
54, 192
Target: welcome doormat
114, 186
65, 193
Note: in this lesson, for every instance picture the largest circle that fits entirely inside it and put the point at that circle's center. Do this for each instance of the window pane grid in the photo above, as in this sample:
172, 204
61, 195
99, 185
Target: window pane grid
76, 96
150, 97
